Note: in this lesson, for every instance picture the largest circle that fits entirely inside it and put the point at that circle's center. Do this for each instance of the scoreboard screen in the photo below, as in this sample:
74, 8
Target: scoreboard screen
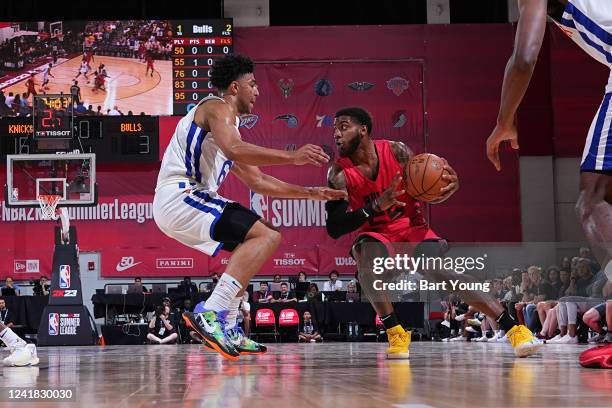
52, 117
196, 46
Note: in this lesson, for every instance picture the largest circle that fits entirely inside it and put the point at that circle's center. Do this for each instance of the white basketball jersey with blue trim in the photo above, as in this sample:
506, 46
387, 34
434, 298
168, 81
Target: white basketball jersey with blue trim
589, 24
193, 156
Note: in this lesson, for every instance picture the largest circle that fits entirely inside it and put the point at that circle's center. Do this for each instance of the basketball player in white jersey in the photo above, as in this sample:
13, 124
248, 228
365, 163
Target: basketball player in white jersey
83, 69
589, 24
46, 74
205, 147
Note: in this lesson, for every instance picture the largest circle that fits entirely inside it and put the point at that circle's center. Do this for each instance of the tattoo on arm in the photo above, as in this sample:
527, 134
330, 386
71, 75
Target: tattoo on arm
335, 178
402, 153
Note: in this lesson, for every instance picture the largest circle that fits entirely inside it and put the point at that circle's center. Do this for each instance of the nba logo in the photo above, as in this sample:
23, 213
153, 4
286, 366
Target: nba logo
53, 324
64, 276
259, 205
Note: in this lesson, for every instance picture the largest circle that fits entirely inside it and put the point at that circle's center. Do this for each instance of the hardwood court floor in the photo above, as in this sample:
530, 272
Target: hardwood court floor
318, 375
128, 88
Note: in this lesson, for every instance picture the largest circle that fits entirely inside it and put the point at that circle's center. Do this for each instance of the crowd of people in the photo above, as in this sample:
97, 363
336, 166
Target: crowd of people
560, 305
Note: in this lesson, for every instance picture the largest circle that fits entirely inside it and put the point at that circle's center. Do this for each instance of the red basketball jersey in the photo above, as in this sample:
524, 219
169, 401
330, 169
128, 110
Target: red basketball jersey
362, 190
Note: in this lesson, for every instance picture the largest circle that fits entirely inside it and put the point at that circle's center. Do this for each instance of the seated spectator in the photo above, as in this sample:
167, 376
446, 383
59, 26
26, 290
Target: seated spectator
333, 283
594, 318
302, 277
10, 288
187, 288
309, 332
211, 286
5, 315
313, 294
263, 295
139, 286
41, 287
285, 294
509, 290
160, 329
351, 292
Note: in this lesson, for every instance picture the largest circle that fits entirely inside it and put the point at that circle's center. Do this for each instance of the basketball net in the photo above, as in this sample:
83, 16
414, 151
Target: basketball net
48, 207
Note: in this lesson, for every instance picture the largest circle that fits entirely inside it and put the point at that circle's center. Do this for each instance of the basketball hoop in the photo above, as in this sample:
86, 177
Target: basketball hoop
48, 204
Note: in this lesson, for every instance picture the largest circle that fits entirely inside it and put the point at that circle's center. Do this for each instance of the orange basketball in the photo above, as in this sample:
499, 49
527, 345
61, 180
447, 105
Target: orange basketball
424, 177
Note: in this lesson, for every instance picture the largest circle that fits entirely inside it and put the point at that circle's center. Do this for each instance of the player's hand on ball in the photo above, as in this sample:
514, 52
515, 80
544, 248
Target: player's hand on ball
388, 198
500, 134
453, 184
310, 154
326, 193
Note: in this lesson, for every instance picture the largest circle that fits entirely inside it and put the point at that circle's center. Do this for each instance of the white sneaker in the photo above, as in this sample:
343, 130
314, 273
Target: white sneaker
460, 318
496, 338
568, 340
22, 356
459, 338
484, 338
446, 323
554, 340
471, 329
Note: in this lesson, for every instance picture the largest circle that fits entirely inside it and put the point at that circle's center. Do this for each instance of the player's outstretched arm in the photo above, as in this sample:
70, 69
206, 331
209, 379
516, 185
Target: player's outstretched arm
340, 220
262, 183
221, 121
527, 45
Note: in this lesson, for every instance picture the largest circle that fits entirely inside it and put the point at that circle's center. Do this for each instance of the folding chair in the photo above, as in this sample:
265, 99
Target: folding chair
289, 323
265, 324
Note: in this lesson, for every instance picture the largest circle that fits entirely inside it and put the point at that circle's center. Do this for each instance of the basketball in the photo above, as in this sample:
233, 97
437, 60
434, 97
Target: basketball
423, 177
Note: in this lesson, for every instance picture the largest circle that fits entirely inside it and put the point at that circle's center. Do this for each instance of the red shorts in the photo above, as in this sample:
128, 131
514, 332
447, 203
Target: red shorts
400, 236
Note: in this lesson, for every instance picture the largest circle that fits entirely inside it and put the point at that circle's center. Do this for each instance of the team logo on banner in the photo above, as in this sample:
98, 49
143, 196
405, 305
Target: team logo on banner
324, 120
361, 86
323, 87
397, 85
64, 276
248, 121
289, 119
53, 324
259, 205
399, 119
286, 85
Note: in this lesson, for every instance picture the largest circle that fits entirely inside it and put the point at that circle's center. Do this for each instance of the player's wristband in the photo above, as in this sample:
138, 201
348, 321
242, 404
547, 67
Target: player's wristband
368, 210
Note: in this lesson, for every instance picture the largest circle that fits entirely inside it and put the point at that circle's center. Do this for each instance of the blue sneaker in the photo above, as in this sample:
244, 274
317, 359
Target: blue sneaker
209, 325
242, 343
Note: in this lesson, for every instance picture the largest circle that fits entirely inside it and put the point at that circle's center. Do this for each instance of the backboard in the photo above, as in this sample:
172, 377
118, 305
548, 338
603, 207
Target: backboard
70, 175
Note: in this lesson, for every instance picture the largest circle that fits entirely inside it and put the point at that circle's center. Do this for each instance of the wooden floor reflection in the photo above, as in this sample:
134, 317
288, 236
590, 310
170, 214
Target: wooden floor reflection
318, 375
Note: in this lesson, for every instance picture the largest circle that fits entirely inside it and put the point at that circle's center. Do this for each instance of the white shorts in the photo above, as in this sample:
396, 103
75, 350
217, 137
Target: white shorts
189, 216
597, 155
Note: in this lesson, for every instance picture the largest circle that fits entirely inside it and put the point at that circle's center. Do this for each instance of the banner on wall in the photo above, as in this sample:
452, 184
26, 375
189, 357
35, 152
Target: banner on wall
286, 261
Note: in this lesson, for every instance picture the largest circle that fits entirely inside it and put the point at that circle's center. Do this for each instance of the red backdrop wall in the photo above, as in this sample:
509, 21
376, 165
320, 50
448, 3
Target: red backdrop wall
455, 74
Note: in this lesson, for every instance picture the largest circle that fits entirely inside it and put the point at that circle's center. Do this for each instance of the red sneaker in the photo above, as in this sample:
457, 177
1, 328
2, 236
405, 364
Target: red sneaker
597, 357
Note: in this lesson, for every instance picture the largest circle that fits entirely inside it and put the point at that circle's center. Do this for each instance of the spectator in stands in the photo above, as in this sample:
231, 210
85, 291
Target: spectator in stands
9, 100
211, 286
539, 291
313, 294
5, 315
187, 288
263, 295
161, 330
115, 112
595, 318
351, 292
333, 283
244, 316
10, 288
585, 253
41, 286
25, 109
309, 332
509, 290
99, 112
138, 285
302, 277
277, 278
90, 111
553, 275
285, 294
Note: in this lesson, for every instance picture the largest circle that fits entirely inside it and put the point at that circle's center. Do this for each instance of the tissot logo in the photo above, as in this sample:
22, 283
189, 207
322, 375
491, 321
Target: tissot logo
203, 29
174, 263
290, 262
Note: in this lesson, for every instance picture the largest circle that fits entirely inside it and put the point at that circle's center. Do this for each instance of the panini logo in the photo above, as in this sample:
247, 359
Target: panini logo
20, 129
174, 263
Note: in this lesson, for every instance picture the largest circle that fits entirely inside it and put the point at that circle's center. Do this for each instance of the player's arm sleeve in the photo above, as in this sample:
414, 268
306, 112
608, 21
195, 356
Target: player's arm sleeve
340, 221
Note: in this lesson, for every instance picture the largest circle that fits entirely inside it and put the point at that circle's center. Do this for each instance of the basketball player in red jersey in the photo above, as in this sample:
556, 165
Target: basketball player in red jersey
370, 172
149, 58
31, 85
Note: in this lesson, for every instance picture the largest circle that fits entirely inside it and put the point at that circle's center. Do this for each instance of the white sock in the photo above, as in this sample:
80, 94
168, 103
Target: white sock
232, 315
225, 292
11, 340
